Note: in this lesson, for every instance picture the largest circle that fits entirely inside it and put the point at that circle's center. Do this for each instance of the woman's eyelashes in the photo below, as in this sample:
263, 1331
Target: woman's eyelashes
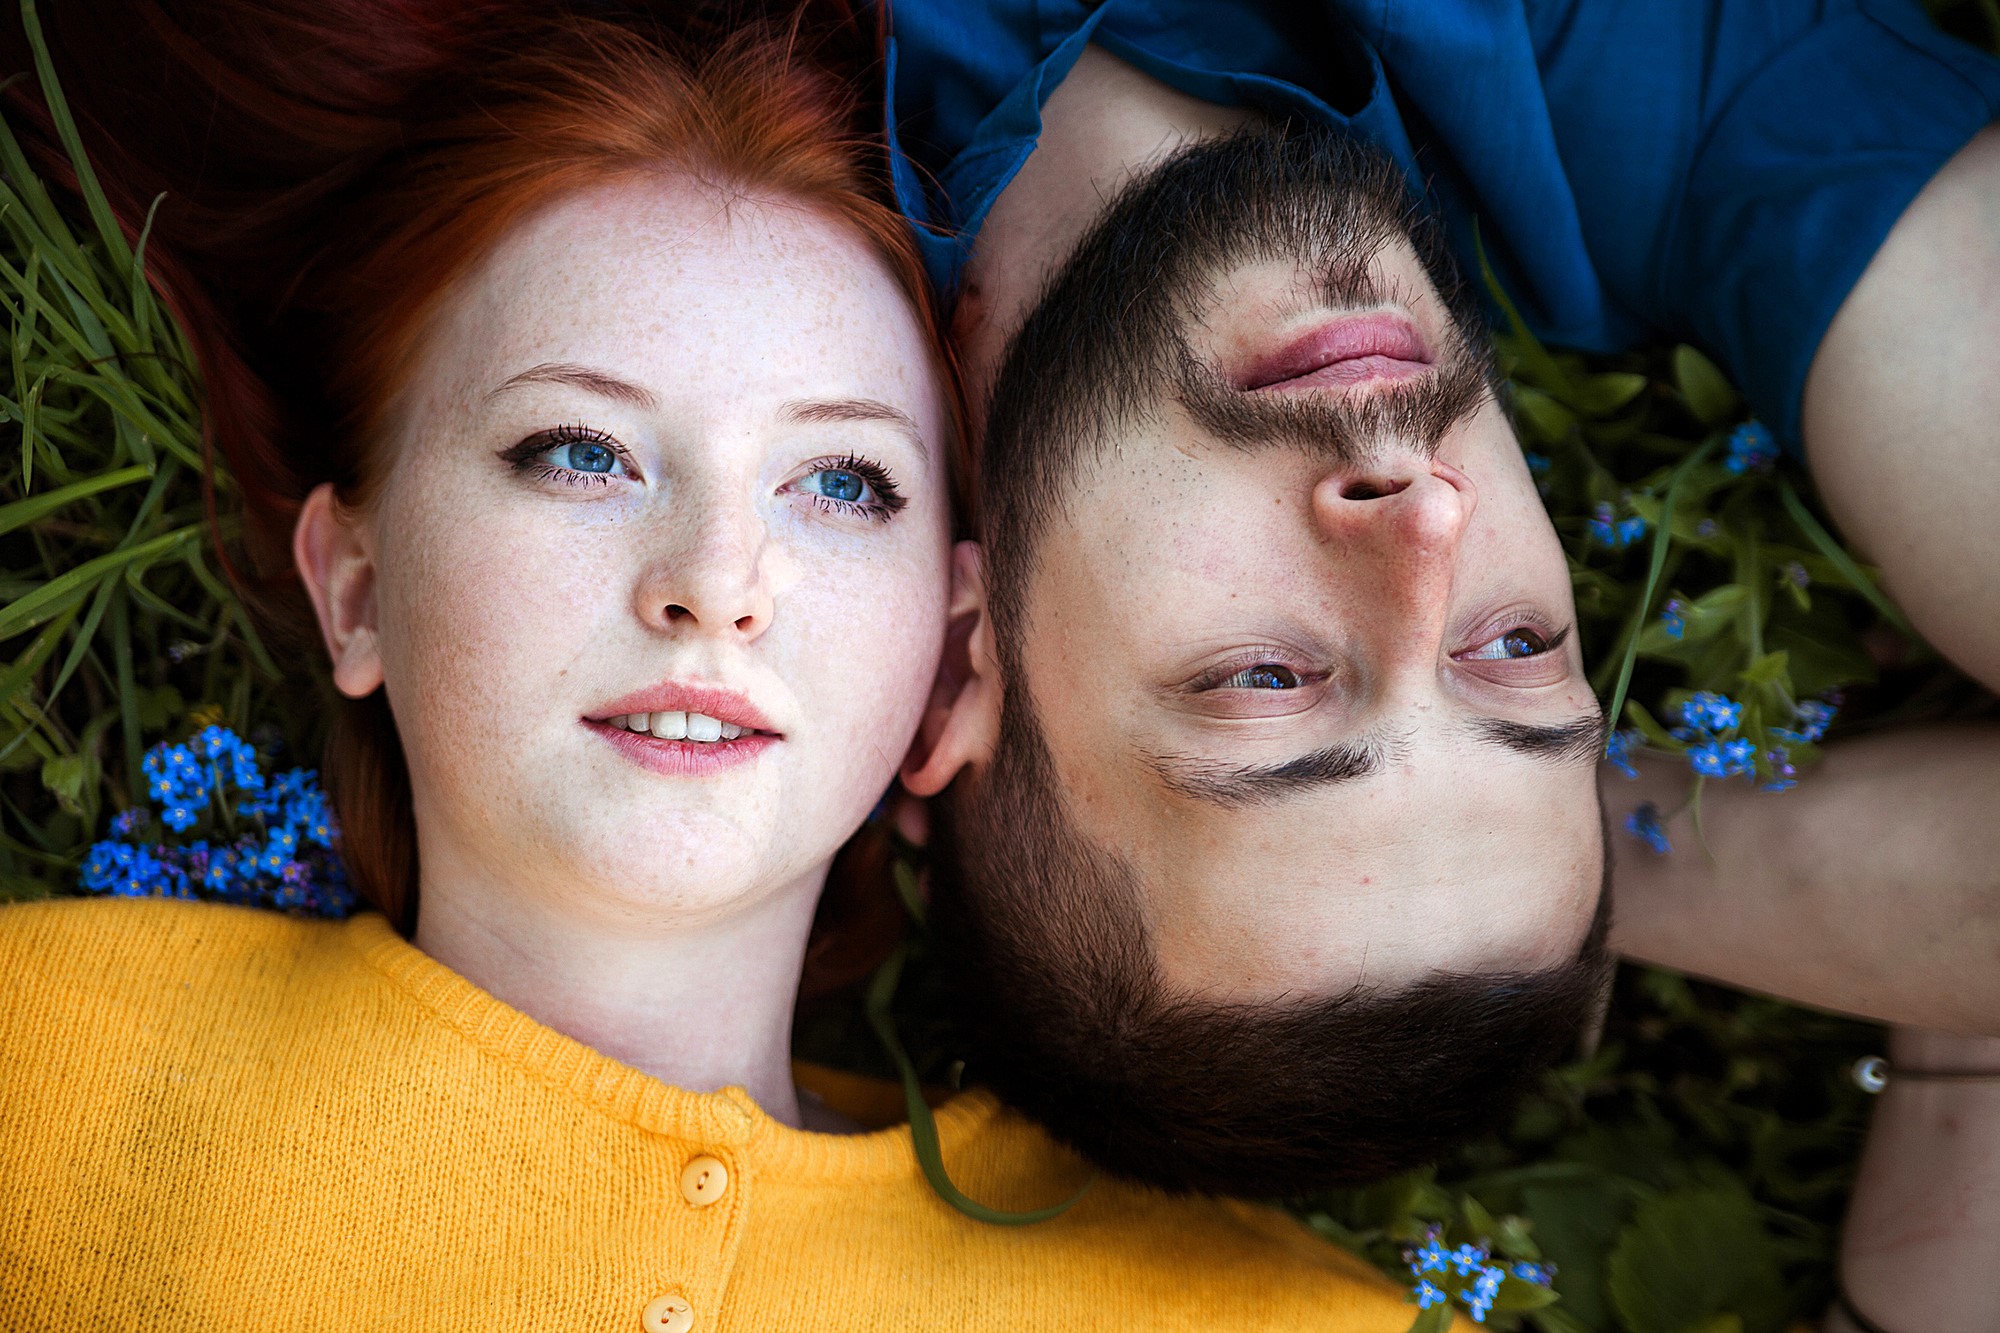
852, 485
581, 456
570, 456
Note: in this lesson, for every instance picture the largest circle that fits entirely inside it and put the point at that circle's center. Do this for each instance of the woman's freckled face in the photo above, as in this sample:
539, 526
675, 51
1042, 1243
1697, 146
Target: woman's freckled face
546, 545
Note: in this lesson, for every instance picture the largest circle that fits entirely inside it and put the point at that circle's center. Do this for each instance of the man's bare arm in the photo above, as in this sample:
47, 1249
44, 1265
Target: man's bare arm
1873, 887
1902, 411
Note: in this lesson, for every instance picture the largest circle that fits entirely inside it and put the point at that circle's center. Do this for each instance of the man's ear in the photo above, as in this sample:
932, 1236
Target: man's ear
334, 561
961, 724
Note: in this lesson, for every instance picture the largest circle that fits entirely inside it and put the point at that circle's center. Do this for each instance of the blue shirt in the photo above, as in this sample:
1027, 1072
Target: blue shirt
1714, 171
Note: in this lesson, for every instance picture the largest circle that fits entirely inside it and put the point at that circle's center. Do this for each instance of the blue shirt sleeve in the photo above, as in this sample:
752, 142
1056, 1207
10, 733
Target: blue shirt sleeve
1734, 166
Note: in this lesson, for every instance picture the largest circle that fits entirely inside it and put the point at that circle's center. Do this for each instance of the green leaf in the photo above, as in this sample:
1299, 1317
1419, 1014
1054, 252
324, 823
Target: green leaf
1557, 1319
1600, 395
36, 507
1629, 658
1818, 666
1547, 421
1575, 1225
1692, 1254
71, 585
1705, 389
63, 777
1513, 1236
1437, 1319
93, 195
1849, 570
1516, 1295
923, 1129
1649, 726
1768, 669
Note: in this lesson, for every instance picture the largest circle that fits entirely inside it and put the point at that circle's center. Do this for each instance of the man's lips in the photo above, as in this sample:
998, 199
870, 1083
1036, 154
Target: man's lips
1346, 351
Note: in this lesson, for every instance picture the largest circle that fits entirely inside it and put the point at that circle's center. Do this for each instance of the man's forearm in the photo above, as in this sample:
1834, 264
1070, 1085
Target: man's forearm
1901, 415
1872, 888
1923, 1227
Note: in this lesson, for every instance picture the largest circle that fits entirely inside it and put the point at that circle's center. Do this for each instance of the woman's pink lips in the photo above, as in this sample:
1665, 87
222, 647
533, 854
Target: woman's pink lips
689, 759
1345, 352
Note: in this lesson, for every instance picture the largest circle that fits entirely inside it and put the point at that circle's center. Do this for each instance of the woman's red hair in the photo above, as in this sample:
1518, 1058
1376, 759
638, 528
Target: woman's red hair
361, 156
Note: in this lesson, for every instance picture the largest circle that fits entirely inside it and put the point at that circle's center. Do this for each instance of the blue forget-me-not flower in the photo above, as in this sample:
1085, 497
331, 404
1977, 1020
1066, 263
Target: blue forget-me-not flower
1644, 824
1751, 449
286, 857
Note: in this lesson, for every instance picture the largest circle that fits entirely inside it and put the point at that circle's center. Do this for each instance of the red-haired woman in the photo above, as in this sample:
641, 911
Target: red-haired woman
612, 438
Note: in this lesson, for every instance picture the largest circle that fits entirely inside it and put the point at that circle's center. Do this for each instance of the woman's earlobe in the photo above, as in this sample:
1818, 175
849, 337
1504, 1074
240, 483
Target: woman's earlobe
338, 570
961, 723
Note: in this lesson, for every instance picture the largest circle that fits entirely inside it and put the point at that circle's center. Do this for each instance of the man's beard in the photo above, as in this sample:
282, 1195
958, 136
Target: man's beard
1344, 428
1107, 346
1049, 957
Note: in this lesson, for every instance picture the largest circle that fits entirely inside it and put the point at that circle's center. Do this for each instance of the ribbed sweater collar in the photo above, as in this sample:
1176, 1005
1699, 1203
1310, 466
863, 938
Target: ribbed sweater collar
728, 1117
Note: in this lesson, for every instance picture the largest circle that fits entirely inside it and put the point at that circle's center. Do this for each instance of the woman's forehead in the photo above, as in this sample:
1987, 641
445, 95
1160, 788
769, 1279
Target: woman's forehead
679, 282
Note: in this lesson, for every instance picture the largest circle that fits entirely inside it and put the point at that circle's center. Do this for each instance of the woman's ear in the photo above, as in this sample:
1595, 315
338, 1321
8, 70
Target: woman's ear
961, 724
333, 559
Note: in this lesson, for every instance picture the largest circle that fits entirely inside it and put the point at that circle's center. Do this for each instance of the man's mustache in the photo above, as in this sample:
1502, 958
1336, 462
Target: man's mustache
1352, 427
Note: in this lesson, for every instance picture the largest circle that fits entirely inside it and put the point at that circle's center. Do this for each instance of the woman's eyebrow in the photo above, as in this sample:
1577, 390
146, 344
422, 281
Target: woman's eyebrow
600, 382
854, 409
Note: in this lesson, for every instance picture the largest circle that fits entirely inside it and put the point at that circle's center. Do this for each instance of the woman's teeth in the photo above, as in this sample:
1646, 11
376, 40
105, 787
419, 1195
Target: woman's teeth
679, 726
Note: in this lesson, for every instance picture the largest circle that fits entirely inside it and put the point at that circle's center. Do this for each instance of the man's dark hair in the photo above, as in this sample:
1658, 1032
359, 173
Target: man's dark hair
1044, 929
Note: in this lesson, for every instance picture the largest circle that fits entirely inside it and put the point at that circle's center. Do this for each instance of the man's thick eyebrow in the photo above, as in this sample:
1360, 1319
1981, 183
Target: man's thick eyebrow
1578, 741
602, 383
1236, 786
854, 409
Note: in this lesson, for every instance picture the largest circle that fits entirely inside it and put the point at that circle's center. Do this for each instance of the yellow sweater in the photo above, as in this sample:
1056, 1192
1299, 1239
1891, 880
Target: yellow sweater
219, 1118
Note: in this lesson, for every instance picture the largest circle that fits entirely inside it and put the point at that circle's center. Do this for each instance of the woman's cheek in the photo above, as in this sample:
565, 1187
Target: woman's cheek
871, 633
488, 611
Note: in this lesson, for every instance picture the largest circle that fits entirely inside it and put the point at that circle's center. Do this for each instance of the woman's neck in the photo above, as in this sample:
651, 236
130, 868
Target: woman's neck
698, 1005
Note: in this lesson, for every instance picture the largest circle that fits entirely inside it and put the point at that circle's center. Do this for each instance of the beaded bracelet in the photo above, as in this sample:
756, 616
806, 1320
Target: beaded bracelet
1871, 1073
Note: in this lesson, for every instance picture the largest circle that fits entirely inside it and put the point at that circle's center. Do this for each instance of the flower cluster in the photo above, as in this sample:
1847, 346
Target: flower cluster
1608, 530
1711, 730
1751, 449
1646, 825
1466, 1273
273, 842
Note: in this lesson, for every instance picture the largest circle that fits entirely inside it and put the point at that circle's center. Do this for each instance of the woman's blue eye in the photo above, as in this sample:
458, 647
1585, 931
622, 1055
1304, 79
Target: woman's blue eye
1264, 676
837, 483
583, 456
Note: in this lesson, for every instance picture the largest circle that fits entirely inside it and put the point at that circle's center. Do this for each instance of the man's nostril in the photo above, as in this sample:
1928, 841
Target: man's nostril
1372, 490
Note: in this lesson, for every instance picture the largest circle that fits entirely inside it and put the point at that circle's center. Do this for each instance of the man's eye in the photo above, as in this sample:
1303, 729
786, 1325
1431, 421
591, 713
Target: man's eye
1263, 676
1515, 643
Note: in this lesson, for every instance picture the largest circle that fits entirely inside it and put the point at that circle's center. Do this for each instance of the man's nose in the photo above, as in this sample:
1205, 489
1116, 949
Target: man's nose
1394, 524
711, 575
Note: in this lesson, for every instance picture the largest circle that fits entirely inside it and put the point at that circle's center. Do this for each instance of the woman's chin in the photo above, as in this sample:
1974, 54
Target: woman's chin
702, 877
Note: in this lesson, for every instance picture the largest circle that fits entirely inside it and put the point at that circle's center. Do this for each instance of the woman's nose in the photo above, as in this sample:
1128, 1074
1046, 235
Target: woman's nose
1394, 525
713, 576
